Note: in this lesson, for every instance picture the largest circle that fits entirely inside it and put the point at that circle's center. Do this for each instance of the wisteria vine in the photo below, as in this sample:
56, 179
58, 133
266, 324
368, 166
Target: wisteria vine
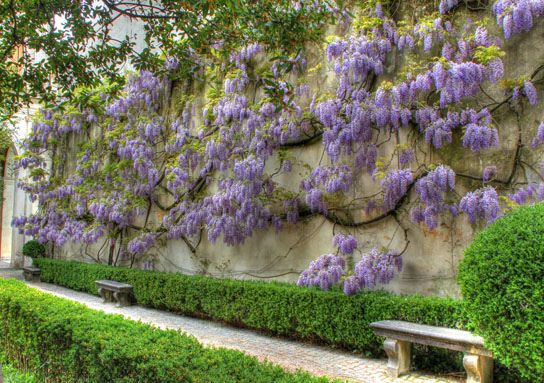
213, 168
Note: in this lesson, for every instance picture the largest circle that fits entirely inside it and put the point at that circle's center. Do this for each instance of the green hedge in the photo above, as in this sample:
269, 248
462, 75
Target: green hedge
502, 279
62, 341
12, 375
276, 308
33, 249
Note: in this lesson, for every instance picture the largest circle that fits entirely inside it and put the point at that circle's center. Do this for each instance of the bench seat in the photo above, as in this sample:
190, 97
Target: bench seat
31, 274
399, 336
115, 291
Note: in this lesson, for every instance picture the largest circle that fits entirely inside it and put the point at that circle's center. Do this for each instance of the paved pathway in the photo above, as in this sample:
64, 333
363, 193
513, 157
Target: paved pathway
289, 354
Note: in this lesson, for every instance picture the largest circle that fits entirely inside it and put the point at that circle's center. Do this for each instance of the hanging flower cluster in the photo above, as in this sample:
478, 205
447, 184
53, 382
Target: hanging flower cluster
517, 16
432, 190
374, 268
324, 272
481, 204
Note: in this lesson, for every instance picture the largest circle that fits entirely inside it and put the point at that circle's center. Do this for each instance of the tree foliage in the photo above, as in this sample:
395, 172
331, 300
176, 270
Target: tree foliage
48, 48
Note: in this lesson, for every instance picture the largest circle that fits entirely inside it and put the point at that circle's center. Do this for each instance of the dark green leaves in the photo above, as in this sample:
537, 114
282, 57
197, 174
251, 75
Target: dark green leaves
277, 308
502, 281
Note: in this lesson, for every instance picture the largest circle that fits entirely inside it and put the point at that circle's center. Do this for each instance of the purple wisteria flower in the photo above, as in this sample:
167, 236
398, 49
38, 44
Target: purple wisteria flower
431, 190
374, 268
395, 185
489, 173
324, 272
346, 243
530, 92
481, 204
141, 243
406, 156
517, 16
171, 64
539, 137
480, 137
532, 193
447, 5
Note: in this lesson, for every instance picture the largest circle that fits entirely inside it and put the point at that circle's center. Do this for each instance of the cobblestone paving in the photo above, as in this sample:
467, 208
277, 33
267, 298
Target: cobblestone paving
289, 354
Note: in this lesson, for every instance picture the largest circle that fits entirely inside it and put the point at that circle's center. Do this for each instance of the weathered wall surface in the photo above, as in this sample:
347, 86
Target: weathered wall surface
431, 257
15, 202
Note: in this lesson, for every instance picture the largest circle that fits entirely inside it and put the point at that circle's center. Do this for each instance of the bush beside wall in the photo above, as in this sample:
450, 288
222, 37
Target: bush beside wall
502, 279
277, 308
62, 341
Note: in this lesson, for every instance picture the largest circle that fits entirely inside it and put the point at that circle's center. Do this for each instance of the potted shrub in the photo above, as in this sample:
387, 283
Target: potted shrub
33, 249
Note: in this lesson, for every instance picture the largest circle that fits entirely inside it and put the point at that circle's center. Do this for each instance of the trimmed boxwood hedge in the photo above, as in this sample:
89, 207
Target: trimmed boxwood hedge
12, 375
502, 280
65, 342
277, 308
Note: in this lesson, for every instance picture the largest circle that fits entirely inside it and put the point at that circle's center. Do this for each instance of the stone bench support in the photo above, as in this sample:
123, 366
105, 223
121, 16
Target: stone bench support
31, 274
399, 336
399, 354
113, 291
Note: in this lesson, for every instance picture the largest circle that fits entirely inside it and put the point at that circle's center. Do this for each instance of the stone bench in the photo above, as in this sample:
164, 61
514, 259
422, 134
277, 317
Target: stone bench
31, 274
113, 290
399, 336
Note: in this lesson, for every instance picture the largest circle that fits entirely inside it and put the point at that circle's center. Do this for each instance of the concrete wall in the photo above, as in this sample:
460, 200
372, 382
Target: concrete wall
8, 197
431, 257
15, 201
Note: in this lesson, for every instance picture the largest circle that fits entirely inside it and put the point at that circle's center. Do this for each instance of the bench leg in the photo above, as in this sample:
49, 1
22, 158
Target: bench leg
479, 368
399, 353
122, 299
105, 294
29, 277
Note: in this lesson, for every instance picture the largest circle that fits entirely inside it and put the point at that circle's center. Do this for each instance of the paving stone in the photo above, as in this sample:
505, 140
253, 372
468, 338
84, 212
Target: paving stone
291, 355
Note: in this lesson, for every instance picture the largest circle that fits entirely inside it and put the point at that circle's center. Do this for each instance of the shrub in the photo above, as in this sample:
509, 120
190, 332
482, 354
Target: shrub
502, 281
12, 375
278, 308
62, 341
33, 249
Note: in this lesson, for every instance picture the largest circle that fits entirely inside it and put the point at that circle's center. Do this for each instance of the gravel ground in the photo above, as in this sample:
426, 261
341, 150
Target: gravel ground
289, 354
